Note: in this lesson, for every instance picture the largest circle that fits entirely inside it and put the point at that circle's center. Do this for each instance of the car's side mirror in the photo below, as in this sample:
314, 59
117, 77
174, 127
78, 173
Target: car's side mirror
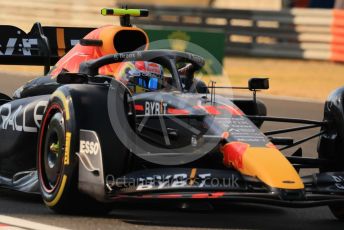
258, 84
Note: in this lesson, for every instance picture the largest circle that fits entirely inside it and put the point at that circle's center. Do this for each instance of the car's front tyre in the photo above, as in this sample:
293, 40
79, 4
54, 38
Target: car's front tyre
57, 162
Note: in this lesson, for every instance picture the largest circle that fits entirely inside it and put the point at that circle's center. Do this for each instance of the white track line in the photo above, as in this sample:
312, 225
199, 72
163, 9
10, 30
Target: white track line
7, 227
24, 224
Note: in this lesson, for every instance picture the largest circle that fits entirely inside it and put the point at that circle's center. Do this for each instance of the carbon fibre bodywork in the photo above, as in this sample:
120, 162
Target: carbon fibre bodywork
77, 130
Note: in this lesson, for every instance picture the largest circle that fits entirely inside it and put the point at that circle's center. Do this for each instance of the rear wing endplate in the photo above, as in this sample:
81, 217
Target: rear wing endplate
42, 46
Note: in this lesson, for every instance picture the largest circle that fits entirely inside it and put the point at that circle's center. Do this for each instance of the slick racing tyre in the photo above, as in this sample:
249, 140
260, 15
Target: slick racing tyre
57, 163
331, 143
4, 98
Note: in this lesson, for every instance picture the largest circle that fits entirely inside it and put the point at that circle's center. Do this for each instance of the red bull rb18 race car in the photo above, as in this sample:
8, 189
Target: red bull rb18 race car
114, 121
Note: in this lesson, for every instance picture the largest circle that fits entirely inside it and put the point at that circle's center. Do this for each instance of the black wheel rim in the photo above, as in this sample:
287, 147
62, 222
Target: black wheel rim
53, 151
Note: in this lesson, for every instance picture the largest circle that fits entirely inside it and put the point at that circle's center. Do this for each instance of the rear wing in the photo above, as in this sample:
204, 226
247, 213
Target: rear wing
42, 46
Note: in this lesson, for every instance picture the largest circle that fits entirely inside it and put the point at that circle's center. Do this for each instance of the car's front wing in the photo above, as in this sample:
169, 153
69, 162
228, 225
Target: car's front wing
186, 184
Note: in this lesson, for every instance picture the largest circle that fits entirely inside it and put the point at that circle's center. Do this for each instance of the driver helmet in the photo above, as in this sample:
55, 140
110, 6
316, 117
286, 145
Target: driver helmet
142, 76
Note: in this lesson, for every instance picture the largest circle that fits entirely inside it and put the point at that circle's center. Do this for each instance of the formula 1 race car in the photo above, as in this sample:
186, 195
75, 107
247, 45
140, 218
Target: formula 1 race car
113, 121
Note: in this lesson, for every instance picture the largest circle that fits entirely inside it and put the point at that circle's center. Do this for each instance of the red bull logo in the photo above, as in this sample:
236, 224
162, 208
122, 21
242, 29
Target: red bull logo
233, 154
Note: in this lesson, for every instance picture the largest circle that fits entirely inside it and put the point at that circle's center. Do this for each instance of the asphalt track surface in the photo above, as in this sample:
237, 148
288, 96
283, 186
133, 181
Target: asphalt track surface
230, 216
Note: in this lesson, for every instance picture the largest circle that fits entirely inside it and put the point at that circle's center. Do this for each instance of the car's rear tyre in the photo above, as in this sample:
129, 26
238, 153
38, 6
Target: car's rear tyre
4, 98
57, 164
